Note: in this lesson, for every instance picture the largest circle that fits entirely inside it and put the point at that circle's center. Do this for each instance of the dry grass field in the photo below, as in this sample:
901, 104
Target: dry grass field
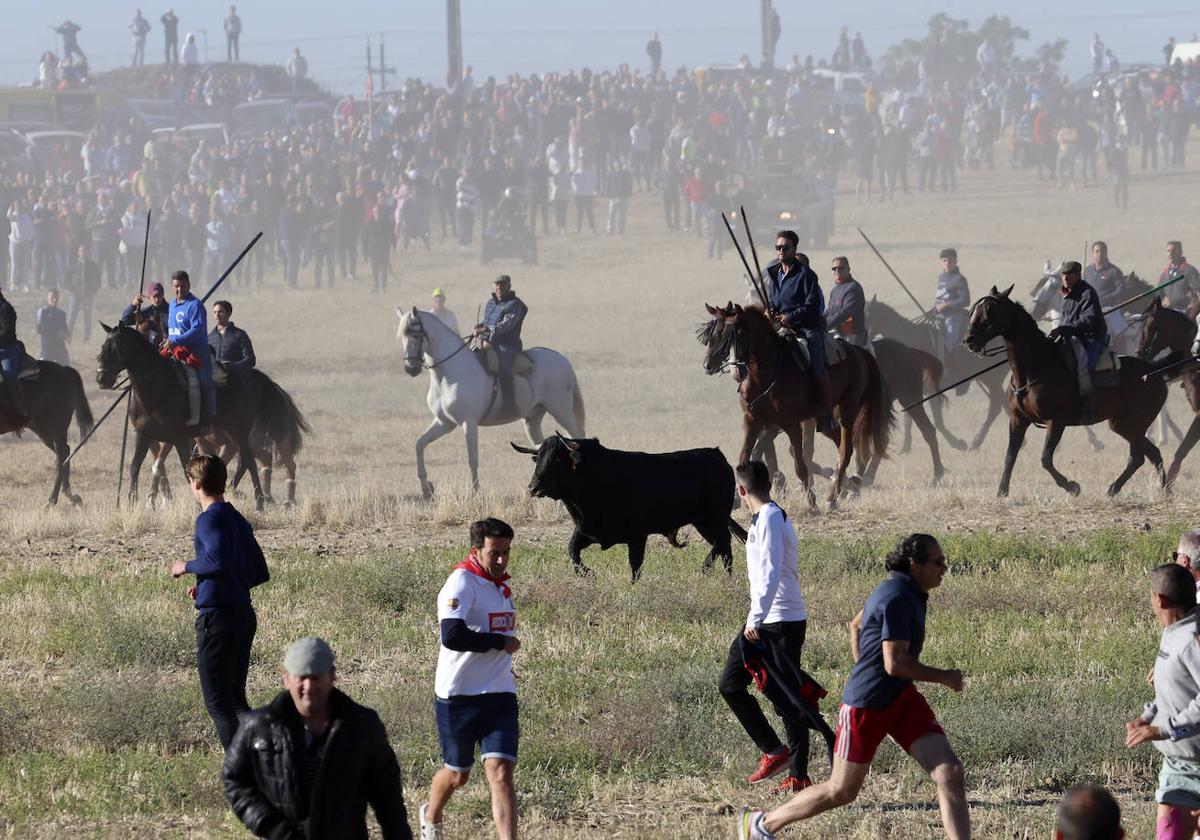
103, 732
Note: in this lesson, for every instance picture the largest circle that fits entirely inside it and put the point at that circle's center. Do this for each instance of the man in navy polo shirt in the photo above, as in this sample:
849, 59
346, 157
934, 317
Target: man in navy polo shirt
475, 691
880, 699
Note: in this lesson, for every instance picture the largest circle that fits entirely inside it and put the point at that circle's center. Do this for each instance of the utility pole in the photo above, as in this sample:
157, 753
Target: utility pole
454, 71
370, 92
384, 70
765, 13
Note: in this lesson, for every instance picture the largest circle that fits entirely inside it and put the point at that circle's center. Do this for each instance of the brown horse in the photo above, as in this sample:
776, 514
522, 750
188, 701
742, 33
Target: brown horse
775, 391
1164, 328
51, 400
1046, 391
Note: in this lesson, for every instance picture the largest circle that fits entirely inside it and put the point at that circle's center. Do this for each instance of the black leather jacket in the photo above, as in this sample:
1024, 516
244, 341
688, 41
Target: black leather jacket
263, 765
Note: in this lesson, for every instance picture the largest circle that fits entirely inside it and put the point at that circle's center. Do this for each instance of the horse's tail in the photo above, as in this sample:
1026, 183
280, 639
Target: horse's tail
83, 411
932, 371
873, 425
285, 425
577, 403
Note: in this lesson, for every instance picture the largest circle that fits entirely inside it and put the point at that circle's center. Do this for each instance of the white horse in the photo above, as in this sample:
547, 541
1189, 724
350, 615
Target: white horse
462, 393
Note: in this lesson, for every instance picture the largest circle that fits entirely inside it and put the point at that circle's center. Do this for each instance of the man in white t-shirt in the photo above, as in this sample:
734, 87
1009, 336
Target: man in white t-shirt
476, 693
777, 620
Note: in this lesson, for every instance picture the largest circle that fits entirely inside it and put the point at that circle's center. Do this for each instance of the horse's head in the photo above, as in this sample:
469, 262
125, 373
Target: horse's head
994, 314
412, 332
717, 335
111, 358
1151, 340
1045, 295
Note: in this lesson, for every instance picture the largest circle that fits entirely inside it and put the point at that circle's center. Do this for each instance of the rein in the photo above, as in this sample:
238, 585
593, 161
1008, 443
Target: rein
421, 343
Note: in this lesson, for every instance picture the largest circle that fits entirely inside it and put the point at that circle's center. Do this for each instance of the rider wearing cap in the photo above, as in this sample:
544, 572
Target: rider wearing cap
503, 317
153, 307
1082, 318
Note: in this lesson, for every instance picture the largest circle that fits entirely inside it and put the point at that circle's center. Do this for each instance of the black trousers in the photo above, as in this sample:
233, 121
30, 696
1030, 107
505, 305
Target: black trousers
223, 639
735, 680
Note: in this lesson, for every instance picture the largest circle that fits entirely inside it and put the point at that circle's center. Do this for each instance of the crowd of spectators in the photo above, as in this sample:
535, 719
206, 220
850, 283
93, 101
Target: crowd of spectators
349, 190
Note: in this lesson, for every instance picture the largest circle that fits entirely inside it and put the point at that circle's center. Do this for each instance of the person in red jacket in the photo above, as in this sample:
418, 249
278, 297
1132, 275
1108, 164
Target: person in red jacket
694, 194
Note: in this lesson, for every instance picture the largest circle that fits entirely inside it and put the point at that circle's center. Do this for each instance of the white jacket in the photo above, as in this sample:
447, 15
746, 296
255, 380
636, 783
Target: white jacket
771, 558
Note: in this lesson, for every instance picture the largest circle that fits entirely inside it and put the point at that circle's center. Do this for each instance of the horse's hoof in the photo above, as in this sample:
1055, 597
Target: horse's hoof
937, 479
584, 571
427, 490
957, 445
1097, 446
903, 450
1073, 488
1002, 493
812, 501
76, 501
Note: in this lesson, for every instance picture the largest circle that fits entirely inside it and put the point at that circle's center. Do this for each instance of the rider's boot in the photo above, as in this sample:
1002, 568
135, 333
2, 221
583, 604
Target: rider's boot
1087, 410
825, 421
508, 402
16, 399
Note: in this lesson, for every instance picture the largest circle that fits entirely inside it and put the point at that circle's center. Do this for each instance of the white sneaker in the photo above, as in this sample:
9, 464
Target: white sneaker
750, 825
429, 831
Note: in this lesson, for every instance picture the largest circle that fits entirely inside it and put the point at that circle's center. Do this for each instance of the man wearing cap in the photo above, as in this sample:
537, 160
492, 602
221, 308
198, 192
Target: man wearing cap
230, 344
152, 307
475, 691
951, 301
309, 763
443, 314
1178, 266
1082, 319
227, 565
503, 316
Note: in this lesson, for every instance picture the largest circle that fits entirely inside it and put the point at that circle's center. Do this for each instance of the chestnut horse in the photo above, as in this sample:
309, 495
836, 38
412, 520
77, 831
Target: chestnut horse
776, 392
1046, 391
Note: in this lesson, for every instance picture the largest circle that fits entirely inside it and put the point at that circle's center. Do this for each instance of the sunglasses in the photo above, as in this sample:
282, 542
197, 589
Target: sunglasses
783, 247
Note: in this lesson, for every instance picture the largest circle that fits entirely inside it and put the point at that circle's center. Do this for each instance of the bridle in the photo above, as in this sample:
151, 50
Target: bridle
415, 354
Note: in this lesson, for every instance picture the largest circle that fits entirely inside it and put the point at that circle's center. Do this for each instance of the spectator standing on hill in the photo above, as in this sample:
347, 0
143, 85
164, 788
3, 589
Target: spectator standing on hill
775, 624
1172, 720
170, 25
69, 30
233, 34
191, 55
297, 69
654, 51
309, 763
139, 29
227, 565
475, 690
881, 699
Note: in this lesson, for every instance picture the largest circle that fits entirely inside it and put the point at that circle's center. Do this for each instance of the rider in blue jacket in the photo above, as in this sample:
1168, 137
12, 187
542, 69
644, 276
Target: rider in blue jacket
187, 326
798, 304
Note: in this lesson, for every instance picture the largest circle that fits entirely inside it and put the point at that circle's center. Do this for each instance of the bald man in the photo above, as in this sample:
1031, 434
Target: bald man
1088, 812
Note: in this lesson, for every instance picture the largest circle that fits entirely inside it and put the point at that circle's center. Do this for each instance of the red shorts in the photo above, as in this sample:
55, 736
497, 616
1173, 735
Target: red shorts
861, 731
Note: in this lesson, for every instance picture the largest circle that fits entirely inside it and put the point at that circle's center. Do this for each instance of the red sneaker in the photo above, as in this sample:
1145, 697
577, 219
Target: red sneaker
793, 785
768, 766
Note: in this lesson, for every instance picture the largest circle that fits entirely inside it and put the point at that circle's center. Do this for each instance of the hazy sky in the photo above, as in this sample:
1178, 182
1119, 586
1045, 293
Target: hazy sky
501, 36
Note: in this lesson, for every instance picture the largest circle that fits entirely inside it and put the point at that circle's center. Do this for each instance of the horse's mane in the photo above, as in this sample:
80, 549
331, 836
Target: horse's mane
1024, 317
1169, 313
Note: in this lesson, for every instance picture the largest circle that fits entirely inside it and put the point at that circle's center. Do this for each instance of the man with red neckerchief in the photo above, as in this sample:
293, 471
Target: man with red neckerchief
1178, 266
476, 693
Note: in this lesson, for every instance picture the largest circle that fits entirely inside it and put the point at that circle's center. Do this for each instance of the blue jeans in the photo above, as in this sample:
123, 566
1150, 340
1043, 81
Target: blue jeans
10, 362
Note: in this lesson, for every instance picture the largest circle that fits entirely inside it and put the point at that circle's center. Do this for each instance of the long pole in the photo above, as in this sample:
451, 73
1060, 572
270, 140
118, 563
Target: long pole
121, 463
232, 266
1141, 295
754, 284
753, 251
103, 417
137, 316
911, 296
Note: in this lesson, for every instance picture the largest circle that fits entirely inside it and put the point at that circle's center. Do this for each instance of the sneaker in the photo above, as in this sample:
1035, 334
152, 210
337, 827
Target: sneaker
793, 785
429, 831
750, 825
768, 766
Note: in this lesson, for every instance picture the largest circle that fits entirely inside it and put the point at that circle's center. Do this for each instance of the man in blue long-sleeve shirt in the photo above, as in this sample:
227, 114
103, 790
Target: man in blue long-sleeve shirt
798, 304
228, 563
187, 326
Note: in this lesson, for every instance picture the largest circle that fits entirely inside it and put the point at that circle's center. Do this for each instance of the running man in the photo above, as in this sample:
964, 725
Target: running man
1172, 719
880, 699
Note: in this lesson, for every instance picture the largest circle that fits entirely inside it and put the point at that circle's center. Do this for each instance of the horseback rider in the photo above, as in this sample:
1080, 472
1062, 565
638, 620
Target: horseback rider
187, 327
11, 352
1109, 283
503, 317
230, 344
950, 302
797, 307
846, 314
1082, 319
1178, 266
151, 311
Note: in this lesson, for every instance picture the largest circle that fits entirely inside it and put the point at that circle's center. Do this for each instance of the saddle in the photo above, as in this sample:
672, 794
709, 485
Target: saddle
488, 357
835, 348
1108, 367
29, 367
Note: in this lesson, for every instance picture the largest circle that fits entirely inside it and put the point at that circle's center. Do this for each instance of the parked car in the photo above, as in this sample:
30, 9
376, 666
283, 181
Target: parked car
261, 115
799, 201
58, 149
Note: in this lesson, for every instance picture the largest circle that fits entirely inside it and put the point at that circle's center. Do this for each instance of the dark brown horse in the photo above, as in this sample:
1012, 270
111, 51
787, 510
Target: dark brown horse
1164, 328
775, 392
1046, 391
158, 405
908, 375
51, 400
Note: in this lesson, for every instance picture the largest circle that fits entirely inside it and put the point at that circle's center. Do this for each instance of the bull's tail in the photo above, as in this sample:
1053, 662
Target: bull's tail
737, 530
577, 405
673, 539
284, 423
83, 411
873, 425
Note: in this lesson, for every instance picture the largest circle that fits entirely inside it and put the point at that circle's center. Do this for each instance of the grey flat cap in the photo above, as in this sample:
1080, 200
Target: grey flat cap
1070, 267
308, 656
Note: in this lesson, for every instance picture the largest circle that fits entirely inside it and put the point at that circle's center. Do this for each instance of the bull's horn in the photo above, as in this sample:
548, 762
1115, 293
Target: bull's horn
523, 449
570, 444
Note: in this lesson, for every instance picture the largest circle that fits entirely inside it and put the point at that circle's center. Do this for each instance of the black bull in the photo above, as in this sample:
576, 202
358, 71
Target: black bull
624, 497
